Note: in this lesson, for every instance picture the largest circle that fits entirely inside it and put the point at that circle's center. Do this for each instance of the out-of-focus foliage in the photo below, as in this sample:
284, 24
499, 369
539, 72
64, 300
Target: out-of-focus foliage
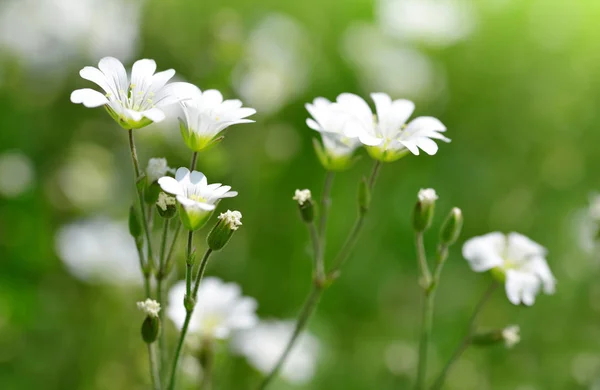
517, 83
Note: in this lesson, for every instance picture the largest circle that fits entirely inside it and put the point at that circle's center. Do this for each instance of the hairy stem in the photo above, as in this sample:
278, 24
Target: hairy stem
154, 374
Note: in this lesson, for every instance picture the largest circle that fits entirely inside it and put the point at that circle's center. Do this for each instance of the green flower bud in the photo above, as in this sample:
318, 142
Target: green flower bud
166, 205
151, 325
424, 209
220, 234
305, 205
451, 227
364, 196
135, 227
509, 336
151, 193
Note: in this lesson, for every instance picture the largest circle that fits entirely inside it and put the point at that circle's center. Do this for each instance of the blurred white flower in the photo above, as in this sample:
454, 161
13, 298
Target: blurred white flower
275, 68
516, 259
157, 168
207, 114
195, 195
302, 196
48, 33
150, 307
16, 173
330, 119
99, 250
434, 22
135, 101
383, 63
511, 335
220, 309
263, 345
427, 195
387, 135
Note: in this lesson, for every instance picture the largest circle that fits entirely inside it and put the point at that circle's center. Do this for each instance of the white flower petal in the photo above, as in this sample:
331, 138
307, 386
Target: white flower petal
181, 173
160, 79
520, 248
196, 177
484, 252
114, 71
170, 185
154, 114
88, 97
212, 97
313, 125
141, 72
96, 76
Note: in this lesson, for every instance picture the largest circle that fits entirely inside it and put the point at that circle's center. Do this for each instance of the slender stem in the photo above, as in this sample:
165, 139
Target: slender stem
325, 204
318, 271
154, 375
169, 258
160, 278
422, 259
189, 263
305, 313
207, 361
189, 311
466, 341
194, 159
319, 287
146, 275
136, 167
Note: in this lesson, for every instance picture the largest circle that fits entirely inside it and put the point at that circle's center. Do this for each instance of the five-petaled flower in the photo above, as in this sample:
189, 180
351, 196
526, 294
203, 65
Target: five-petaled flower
387, 135
330, 120
196, 197
206, 115
223, 309
514, 259
135, 101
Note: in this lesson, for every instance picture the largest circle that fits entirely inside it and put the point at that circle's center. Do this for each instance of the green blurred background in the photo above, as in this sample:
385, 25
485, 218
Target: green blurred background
517, 82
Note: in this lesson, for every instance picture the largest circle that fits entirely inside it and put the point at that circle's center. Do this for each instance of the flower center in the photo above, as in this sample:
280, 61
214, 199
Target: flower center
211, 322
197, 198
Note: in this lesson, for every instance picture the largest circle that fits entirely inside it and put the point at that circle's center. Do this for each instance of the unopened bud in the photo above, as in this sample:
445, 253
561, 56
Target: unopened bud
509, 336
151, 193
166, 205
220, 234
151, 325
305, 205
424, 209
364, 196
451, 227
135, 227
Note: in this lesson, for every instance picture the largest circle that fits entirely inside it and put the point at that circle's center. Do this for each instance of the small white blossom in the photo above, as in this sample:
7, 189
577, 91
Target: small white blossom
330, 119
302, 196
157, 168
511, 335
521, 261
427, 195
221, 309
196, 196
232, 219
135, 101
206, 115
263, 345
150, 307
387, 134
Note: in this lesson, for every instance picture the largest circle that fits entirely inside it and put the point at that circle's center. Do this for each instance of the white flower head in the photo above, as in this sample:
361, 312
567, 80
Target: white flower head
263, 345
150, 307
135, 101
206, 115
387, 135
516, 259
302, 196
197, 198
330, 119
427, 195
157, 168
221, 309
511, 335
233, 219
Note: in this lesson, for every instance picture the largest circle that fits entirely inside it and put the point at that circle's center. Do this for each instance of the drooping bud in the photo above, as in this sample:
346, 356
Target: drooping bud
135, 227
364, 196
508, 335
151, 325
157, 168
220, 234
166, 205
424, 209
451, 227
305, 205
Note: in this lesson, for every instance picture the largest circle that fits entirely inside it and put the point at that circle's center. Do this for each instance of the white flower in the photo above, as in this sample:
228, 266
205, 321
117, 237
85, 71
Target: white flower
387, 135
264, 344
302, 196
195, 195
133, 102
511, 336
207, 114
330, 119
150, 307
220, 309
520, 261
99, 250
594, 207
16, 173
231, 219
157, 168
428, 196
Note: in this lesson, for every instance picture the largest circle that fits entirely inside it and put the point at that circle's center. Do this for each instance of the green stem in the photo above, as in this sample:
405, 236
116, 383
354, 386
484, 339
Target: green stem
154, 375
325, 204
319, 287
194, 159
318, 271
189, 263
207, 361
466, 341
422, 259
160, 278
200, 272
